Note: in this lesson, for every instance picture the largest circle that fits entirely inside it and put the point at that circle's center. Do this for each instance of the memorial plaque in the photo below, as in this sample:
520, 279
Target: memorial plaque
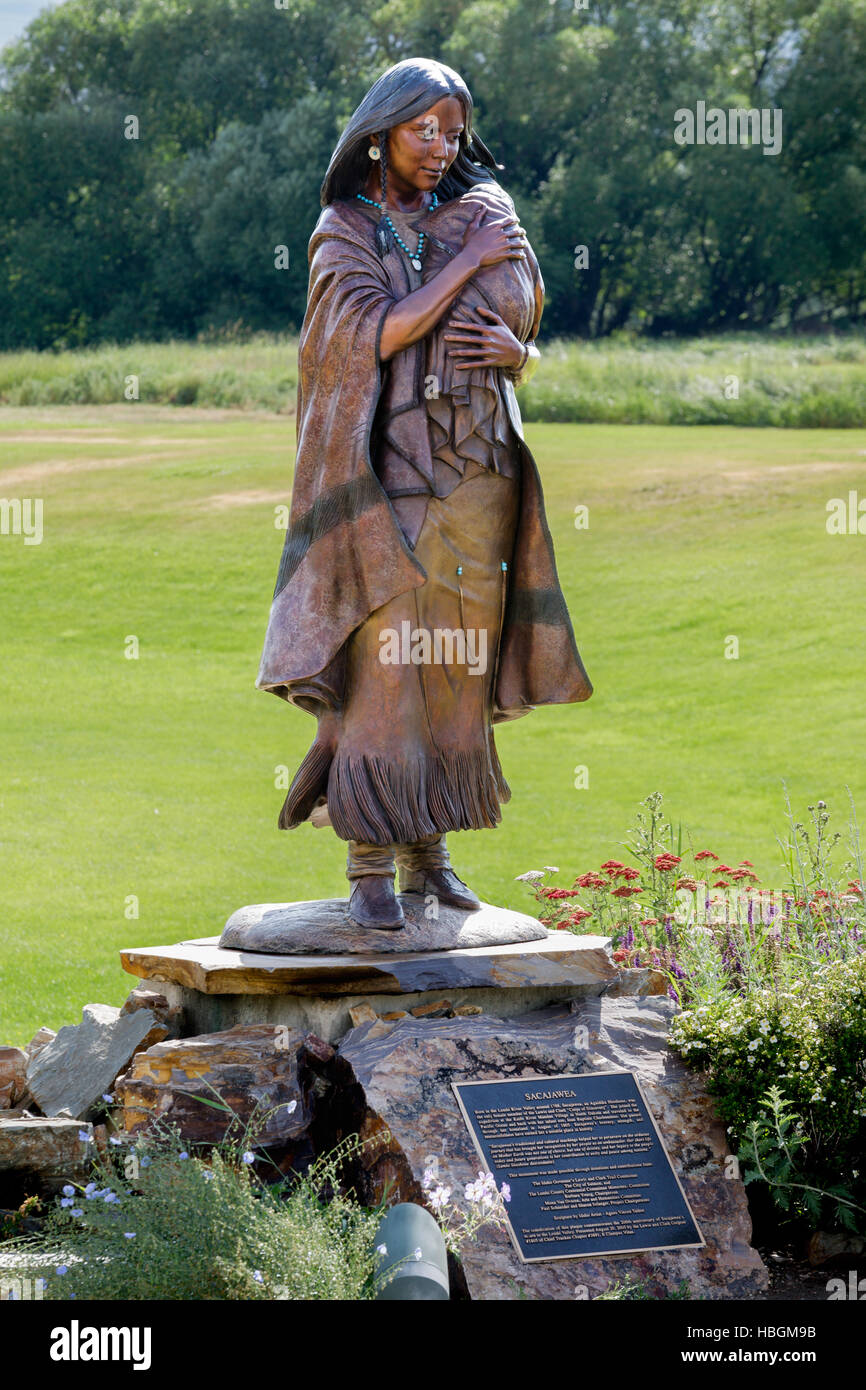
588, 1172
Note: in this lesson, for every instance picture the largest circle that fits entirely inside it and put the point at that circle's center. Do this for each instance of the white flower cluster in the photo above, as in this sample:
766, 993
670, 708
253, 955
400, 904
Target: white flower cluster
484, 1191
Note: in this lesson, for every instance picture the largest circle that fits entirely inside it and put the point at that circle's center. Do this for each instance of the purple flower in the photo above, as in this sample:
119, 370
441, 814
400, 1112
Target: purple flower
505, 1192
257, 1275
249, 1157
77, 1211
183, 1154
62, 1269
68, 1190
129, 1235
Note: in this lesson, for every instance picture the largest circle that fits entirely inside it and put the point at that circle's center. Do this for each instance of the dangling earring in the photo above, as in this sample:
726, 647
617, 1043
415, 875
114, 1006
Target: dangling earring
374, 152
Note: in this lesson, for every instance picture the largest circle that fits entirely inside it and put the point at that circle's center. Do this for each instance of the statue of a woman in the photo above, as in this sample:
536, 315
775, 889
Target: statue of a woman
417, 602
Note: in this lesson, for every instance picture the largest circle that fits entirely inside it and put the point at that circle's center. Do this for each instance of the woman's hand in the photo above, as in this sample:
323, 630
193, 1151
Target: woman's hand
493, 343
488, 243
418, 313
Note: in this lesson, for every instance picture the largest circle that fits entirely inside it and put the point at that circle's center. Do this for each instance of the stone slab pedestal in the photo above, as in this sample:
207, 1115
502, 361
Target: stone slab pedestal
219, 988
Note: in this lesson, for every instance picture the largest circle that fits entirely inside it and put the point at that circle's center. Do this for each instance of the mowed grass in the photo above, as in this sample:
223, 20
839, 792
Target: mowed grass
149, 785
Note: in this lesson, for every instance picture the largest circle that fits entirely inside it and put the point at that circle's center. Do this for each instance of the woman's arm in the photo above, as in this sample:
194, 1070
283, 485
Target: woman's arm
415, 315
492, 342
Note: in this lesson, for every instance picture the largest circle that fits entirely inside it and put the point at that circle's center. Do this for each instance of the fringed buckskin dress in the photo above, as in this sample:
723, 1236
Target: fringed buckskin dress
416, 488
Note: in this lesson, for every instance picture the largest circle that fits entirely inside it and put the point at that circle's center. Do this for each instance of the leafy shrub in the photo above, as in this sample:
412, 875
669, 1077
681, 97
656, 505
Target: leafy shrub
183, 1227
807, 1041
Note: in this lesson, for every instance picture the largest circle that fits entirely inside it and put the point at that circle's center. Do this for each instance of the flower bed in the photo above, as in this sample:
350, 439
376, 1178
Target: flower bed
771, 989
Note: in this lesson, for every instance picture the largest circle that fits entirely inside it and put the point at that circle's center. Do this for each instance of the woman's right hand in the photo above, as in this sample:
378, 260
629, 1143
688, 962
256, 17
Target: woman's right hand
488, 243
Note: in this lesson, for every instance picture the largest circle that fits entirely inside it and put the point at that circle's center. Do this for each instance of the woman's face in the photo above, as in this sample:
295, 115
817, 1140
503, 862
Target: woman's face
422, 150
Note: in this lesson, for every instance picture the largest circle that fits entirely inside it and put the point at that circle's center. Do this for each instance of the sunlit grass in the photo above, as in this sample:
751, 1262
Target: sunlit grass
740, 379
148, 786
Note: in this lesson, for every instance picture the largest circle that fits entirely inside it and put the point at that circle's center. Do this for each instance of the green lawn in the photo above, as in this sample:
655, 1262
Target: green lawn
155, 777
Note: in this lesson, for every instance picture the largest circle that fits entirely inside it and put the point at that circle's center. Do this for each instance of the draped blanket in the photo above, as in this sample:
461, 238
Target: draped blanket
345, 554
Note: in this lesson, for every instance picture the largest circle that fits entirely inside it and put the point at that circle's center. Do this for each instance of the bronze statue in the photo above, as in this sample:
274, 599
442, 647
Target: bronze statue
417, 601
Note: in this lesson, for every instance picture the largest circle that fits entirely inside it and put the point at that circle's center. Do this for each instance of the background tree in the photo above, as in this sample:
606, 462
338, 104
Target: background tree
239, 104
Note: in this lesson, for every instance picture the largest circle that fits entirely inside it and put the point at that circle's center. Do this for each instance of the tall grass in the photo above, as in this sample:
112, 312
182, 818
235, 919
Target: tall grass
739, 379
260, 374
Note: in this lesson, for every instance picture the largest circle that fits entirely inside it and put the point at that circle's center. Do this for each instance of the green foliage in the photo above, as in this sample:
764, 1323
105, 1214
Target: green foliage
771, 1154
184, 1227
786, 1067
240, 104
783, 381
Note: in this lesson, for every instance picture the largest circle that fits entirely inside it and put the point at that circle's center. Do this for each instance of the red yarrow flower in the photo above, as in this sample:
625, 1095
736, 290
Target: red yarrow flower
620, 956
706, 854
611, 866
665, 862
590, 880
624, 891
558, 893
687, 883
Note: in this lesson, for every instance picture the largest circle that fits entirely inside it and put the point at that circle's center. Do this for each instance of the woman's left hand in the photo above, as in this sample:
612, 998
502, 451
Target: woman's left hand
492, 343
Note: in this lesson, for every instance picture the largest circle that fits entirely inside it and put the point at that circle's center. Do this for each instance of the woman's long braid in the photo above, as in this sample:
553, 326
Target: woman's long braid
384, 238
383, 164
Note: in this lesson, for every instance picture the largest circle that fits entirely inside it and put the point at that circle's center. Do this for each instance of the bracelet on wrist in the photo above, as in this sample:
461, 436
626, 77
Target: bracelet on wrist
531, 357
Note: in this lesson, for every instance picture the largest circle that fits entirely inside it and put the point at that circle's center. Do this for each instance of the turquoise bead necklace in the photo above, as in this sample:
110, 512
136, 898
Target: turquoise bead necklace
414, 256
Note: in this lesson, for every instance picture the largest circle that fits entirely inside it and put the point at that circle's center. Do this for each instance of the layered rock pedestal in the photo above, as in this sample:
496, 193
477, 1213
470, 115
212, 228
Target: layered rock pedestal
308, 966
412, 1120
346, 1030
